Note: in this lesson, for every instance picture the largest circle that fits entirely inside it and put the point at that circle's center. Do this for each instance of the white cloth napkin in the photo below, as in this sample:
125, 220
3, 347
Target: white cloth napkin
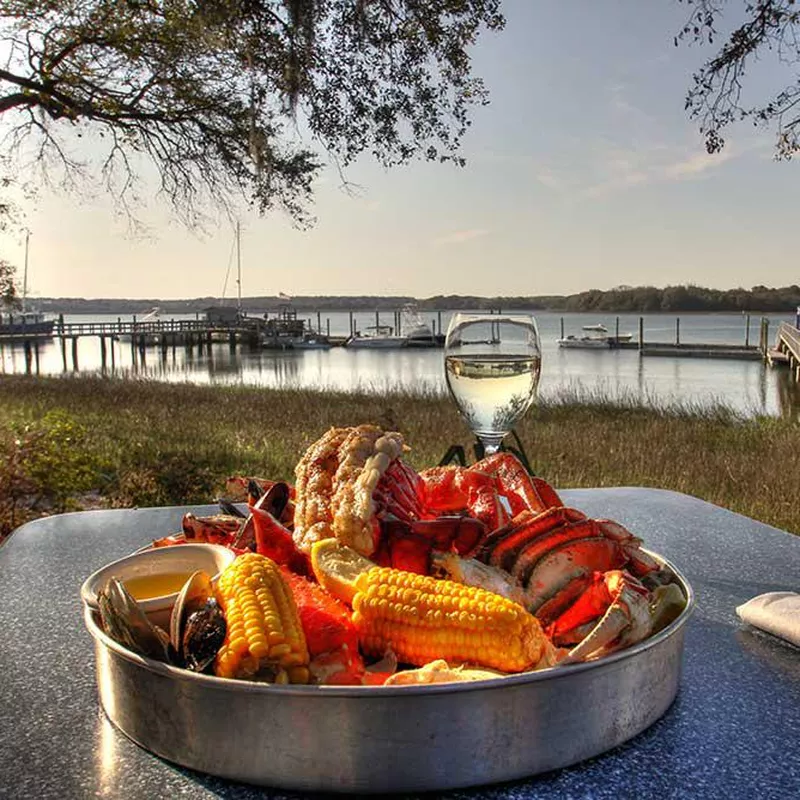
777, 613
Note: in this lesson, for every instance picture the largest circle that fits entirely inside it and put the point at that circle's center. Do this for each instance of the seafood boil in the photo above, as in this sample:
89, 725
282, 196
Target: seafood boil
367, 572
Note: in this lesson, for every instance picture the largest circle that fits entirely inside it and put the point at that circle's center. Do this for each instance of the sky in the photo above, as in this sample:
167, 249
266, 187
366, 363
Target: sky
584, 172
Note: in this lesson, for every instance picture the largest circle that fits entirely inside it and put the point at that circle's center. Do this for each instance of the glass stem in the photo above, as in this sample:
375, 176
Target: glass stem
491, 444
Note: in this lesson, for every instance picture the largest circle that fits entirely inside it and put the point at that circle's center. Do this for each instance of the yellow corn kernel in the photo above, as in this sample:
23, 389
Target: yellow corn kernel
264, 636
422, 619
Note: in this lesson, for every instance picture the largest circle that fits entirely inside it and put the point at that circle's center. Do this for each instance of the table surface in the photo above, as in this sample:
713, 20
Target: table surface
731, 732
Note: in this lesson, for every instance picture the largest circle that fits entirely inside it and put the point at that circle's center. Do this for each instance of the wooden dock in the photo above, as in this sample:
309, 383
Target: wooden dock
747, 352
787, 349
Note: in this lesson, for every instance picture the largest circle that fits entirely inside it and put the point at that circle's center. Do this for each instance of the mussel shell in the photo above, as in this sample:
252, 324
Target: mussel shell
203, 635
126, 623
192, 597
275, 499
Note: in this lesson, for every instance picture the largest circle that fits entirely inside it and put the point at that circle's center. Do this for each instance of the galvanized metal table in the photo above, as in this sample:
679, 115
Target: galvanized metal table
731, 732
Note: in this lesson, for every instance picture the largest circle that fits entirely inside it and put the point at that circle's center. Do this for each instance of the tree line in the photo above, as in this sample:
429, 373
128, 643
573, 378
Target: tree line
641, 299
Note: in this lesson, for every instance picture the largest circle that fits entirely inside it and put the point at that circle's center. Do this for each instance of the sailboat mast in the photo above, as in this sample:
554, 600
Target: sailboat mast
25, 272
238, 267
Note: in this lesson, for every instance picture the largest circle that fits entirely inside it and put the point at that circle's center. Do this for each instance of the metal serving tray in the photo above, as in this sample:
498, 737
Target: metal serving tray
359, 739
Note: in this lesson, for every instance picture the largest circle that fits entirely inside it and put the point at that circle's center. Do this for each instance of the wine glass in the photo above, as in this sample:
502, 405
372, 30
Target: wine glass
492, 365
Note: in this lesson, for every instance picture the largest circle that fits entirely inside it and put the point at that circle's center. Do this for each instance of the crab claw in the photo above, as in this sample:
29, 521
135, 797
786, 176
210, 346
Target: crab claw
627, 619
275, 541
524, 492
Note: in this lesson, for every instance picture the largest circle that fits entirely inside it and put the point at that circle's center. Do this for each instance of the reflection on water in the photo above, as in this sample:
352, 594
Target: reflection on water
744, 385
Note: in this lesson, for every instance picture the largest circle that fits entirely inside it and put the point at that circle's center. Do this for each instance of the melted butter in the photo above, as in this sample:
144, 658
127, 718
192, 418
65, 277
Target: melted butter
145, 587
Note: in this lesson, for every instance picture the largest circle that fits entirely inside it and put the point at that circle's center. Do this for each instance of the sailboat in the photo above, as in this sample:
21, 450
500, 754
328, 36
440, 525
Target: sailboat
26, 321
228, 315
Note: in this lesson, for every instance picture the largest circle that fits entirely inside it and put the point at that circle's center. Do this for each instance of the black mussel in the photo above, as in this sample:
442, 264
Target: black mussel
197, 625
192, 596
125, 622
275, 499
203, 635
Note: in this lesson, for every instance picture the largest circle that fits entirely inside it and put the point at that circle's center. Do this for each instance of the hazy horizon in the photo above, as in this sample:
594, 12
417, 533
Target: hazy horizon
583, 172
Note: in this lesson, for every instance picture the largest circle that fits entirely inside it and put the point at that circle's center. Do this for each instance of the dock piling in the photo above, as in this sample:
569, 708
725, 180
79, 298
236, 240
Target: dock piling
677, 330
641, 334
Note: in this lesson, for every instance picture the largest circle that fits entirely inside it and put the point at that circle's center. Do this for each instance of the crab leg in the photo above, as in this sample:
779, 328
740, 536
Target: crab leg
536, 549
626, 621
523, 490
640, 562
562, 564
502, 548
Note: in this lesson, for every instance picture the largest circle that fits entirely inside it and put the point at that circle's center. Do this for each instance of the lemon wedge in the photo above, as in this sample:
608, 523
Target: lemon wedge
337, 568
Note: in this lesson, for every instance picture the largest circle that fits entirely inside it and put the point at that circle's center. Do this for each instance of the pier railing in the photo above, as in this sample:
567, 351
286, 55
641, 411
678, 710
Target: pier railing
788, 342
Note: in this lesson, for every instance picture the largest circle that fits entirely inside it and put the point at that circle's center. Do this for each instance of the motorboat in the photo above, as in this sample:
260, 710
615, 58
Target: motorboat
594, 337
311, 341
147, 329
376, 336
417, 332
25, 323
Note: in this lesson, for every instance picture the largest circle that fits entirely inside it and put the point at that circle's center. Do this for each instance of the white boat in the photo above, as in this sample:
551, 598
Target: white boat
416, 331
594, 337
147, 326
26, 321
376, 336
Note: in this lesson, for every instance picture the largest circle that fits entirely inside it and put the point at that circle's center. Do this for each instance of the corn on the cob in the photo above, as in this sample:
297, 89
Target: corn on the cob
264, 633
422, 619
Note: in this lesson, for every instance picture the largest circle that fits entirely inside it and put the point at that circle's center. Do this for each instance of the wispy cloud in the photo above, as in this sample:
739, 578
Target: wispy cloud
695, 164
457, 237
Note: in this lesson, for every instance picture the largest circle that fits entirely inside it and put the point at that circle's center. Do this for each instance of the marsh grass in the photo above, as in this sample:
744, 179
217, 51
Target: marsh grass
85, 442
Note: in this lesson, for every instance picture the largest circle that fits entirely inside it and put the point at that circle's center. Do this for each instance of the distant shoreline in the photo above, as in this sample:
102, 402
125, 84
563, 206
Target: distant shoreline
629, 300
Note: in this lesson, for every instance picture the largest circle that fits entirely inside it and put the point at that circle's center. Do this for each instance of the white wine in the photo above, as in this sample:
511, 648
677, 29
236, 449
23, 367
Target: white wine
493, 391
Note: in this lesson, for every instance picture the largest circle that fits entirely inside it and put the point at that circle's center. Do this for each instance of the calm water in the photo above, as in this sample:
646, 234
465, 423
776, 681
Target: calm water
744, 385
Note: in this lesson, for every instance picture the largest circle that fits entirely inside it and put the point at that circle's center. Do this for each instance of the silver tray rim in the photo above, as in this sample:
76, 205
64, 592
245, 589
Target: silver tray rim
550, 673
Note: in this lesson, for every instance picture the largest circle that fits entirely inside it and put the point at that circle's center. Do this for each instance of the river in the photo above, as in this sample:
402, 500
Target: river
746, 386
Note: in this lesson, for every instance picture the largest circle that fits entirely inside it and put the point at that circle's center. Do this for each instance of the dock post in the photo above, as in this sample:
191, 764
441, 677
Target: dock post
328, 325
61, 324
64, 352
439, 322
641, 334
562, 327
36, 354
319, 321
75, 353
351, 323
616, 330
103, 353
677, 330
377, 318
28, 356
747, 332
113, 356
